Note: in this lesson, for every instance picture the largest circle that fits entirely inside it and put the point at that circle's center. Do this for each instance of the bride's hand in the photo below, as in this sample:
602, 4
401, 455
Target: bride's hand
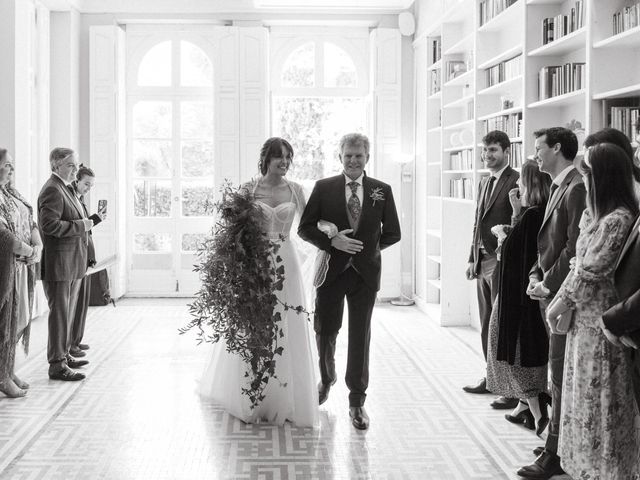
346, 244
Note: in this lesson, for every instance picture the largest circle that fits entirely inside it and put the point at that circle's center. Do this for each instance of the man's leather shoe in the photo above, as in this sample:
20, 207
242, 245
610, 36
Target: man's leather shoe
505, 403
323, 392
83, 346
537, 451
359, 418
546, 466
74, 363
66, 375
481, 387
76, 352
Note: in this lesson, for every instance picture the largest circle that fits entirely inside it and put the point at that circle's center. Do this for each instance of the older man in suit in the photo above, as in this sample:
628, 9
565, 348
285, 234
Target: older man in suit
556, 148
621, 323
64, 229
492, 208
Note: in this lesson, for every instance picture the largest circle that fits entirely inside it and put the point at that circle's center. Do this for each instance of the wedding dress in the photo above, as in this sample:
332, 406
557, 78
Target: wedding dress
293, 395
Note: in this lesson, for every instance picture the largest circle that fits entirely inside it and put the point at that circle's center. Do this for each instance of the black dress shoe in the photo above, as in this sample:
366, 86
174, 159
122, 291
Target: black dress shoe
537, 451
323, 392
76, 352
359, 418
543, 400
74, 363
66, 375
481, 387
505, 403
525, 418
83, 346
546, 466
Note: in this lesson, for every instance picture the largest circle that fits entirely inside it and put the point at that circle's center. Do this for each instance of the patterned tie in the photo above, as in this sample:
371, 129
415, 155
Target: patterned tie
354, 202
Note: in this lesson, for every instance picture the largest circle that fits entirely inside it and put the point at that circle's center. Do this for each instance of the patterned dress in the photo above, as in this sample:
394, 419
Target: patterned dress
599, 439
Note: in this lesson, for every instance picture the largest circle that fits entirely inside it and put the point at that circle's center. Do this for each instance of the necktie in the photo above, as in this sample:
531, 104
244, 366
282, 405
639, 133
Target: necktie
552, 191
354, 202
489, 190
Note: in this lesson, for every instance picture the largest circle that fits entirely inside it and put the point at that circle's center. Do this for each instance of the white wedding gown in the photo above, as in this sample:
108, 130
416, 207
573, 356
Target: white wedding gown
293, 396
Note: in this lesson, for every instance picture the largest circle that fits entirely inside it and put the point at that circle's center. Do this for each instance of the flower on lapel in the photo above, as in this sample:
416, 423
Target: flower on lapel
376, 195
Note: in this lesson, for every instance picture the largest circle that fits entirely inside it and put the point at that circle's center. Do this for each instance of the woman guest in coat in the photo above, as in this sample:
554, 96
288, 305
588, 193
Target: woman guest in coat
518, 342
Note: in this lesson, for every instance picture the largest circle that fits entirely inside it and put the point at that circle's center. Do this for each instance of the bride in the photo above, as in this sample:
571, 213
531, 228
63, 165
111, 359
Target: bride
292, 396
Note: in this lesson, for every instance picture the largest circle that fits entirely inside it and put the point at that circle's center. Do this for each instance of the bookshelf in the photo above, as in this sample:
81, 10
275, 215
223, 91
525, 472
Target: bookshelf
470, 100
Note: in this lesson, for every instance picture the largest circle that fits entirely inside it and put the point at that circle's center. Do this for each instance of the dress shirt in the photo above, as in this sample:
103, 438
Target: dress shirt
347, 188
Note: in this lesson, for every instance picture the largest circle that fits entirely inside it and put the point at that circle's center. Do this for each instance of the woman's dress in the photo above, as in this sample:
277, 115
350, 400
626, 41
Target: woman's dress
293, 395
599, 436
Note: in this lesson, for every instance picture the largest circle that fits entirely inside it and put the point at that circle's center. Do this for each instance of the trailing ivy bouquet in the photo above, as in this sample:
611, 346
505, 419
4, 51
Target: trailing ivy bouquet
241, 272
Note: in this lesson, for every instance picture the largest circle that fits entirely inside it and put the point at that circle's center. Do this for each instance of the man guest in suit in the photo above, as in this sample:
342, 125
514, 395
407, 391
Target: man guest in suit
556, 149
64, 229
364, 211
492, 208
623, 319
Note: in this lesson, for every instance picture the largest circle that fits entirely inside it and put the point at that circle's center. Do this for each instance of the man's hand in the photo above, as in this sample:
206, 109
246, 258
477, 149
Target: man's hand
538, 291
346, 244
36, 255
471, 273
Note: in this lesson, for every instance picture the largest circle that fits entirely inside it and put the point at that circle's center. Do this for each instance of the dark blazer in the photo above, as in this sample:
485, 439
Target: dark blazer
60, 218
497, 211
378, 227
559, 232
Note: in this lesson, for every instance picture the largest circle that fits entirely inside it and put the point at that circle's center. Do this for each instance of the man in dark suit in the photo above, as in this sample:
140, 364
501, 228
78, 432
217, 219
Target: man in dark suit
556, 148
492, 208
365, 214
623, 319
64, 228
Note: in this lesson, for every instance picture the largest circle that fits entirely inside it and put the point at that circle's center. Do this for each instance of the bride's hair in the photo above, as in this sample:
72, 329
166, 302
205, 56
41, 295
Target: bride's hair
272, 148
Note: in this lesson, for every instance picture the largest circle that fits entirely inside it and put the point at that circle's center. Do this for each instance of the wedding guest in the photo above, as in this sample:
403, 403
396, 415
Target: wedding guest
82, 185
64, 227
518, 340
20, 249
492, 208
599, 436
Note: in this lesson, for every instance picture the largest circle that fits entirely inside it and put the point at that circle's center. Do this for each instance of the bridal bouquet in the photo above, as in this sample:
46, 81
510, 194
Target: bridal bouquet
501, 232
241, 272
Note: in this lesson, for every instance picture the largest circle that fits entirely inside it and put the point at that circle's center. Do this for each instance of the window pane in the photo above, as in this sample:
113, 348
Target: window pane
299, 68
196, 69
314, 127
339, 70
196, 199
155, 67
152, 242
197, 120
152, 120
152, 158
191, 241
197, 159
152, 198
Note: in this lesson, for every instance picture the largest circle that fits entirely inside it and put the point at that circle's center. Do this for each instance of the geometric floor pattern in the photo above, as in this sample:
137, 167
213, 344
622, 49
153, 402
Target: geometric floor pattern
137, 415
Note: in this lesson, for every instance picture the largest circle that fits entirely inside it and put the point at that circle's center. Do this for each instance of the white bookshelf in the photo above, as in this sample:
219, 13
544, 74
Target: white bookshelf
446, 237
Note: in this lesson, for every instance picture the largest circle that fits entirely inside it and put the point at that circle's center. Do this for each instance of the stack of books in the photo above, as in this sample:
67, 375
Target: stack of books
462, 160
557, 27
558, 80
509, 124
627, 18
504, 71
491, 8
626, 119
461, 188
436, 49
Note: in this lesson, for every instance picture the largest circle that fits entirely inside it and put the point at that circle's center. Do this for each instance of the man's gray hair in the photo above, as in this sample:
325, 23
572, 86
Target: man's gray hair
59, 155
353, 139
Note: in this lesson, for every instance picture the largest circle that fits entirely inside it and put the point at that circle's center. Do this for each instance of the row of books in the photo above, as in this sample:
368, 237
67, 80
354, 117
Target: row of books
504, 70
462, 160
627, 18
434, 82
516, 158
436, 49
626, 119
461, 188
558, 80
510, 124
559, 26
492, 8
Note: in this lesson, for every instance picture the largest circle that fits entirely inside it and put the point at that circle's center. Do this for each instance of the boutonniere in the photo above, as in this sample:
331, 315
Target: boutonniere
376, 195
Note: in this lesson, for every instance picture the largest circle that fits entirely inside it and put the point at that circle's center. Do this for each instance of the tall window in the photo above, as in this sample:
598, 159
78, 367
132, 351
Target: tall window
319, 94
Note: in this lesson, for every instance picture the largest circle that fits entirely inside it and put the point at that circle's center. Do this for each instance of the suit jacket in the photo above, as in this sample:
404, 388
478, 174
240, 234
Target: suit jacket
559, 232
60, 218
496, 211
378, 226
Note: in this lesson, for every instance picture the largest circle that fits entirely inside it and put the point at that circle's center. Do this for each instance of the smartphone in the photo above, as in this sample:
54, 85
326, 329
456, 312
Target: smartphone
102, 206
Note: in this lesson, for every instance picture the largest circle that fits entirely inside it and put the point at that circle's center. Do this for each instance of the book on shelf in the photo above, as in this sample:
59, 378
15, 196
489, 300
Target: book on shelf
559, 26
461, 188
510, 124
516, 157
626, 119
492, 8
436, 49
556, 80
627, 18
434, 85
455, 68
461, 160
470, 110
505, 70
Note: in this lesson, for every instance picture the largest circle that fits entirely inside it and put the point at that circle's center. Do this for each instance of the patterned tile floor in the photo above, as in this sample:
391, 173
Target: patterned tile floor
137, 416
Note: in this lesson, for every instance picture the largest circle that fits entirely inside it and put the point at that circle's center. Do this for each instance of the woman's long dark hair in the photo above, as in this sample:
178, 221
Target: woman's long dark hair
609, 178
536, 183
272, 148
615, 136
